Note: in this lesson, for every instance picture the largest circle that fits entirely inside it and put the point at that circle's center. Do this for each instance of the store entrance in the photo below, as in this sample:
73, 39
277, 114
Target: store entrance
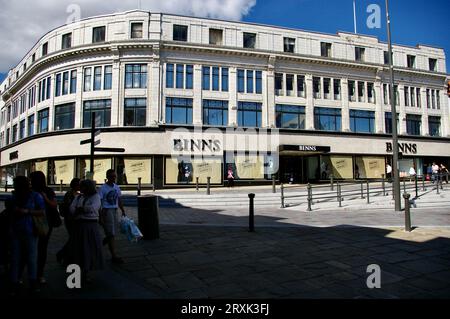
292, 170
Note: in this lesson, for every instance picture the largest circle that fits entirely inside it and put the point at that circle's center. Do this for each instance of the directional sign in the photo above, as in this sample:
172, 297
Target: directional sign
86, 142
108, 149
97, 142
97, 133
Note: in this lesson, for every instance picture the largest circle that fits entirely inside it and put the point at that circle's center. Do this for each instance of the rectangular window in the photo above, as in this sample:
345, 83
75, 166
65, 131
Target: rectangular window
249, 40
137, 30
361, 92
317, 88
66, 41
102, 109
290, 84
107, 81
98, 34
419, 97
189, 77
411, 61
362, 121
433, 64
428, 99
45, 49
73, 82
7, 141
215, 113
413, 124
65, 84
135, 112
301, 90
249, 114
169, 75
279, 91
33, 58
58, 84
206, 75
22, 129
43, 121
325, 49
337, 89
180, 33
289, 45
406, 92
178, 111
48, 88
31, 125
434, 125
225, 79
250, 82
64, 116
327, 88
327, 119
215, 78
87, 79
135, 76
371, 92
360, 54
14, 134
386, 57
290, 116
180, 76
241, 81
215, 36
412, 92
97, 78
258, 82
388, 122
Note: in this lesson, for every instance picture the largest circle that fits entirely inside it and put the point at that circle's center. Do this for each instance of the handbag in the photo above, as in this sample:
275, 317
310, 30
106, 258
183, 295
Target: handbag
40, 226
54, 219
130, 230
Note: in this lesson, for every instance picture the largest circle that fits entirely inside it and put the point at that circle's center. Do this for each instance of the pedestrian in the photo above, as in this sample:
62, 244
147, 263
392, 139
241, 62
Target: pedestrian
110, 195
64, 210
39, 185
85, 246
412, 172
22, 207
230, 176
434, 172
389, 172
444, 172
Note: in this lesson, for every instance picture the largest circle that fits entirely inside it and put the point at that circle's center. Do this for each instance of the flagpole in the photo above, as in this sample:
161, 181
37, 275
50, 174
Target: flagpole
395, 150
354, 15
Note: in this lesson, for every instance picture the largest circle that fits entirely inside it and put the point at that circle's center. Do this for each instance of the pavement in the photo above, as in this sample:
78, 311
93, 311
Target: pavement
293, 254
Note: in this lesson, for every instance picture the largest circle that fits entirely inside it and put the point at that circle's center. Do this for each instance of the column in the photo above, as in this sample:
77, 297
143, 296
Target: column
379, 114
269, 93
197, 102
445, 118
154, 93
232, 107
118, 92
423, 102
79, 99
309, 122
401, 109
51, 108
345, 106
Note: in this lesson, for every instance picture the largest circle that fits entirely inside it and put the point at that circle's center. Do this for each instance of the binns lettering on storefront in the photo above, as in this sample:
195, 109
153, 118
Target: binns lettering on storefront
405, 148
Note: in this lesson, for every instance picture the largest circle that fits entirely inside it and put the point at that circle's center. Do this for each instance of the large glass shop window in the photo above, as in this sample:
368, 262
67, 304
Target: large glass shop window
129, 170
186, 171
101, 166
247, 167
339, 166
64, 170
369, 167
41, 166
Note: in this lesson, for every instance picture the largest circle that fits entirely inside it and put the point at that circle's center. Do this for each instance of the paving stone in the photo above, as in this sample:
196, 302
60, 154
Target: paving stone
182, 282
423, 266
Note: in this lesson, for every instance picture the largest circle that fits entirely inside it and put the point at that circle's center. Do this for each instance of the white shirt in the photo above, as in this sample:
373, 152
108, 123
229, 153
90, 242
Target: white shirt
412, 171
389, 169
110, 195
91, 206
435, 169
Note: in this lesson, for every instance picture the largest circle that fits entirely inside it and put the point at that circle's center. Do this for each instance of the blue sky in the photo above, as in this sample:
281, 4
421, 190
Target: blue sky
413, 21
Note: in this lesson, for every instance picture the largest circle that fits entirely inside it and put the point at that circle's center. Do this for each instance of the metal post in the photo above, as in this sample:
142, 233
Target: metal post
423, 183
6, 186
407, 212
383, 183
274, 187
282, 196
416, 186
395, 148
92, 145
251, 221
332, 182
139, 186
368, 192
309, 197
339, 194
446, 178
437, 184
61, 186
441, 180
208, 186
196, 184
404, 185
362, 190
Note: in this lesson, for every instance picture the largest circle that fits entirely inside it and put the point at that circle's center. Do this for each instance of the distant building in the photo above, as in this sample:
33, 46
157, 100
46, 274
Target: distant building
148, 74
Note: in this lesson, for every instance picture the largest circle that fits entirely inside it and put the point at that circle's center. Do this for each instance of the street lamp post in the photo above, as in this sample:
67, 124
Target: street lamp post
395, 172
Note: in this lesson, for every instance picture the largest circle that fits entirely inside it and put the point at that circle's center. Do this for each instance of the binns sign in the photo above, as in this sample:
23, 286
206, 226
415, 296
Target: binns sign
405, 148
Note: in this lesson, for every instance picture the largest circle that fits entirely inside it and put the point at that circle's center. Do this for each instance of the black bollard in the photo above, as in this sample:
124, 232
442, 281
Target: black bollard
368, 192
282, 197
274, 187
332, 182
251, 217
196, 184
383, 183
148, 216
339, 194
309, 197
416, 186
362, 190
61, 186
423, 183
208, 186
139, 186
407, 212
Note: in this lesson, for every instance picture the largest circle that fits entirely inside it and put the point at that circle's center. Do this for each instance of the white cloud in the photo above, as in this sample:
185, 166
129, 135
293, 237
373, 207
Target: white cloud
23, 22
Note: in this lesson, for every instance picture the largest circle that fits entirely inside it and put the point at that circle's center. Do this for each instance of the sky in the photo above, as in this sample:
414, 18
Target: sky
23, 22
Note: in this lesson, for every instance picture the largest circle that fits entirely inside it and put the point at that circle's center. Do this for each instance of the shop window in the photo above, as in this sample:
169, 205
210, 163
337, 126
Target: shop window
369, 167
101, 166
129, 170
340, 166
186, 171
64, 171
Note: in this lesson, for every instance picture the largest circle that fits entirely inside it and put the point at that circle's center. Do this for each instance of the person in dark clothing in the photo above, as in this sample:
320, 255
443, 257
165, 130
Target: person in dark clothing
39, 185
64, 209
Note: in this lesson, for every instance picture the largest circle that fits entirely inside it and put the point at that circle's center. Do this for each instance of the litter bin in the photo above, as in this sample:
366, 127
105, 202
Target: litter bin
148, 216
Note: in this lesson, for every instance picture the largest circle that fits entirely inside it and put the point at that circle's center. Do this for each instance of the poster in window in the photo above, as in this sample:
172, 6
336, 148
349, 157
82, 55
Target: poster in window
42, 167
135, 168
249, 167
101, 166
369, 167
342, 166
208, 168
64, 171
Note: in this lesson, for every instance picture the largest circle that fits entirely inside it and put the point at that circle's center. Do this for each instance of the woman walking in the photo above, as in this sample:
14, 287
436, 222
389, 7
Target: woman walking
85, 247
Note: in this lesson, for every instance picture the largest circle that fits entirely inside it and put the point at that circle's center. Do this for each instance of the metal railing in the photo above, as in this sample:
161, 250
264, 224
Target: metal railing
295, 195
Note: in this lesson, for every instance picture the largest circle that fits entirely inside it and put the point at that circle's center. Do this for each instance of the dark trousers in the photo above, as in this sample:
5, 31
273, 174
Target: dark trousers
62, 254
230, 182
42, 252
